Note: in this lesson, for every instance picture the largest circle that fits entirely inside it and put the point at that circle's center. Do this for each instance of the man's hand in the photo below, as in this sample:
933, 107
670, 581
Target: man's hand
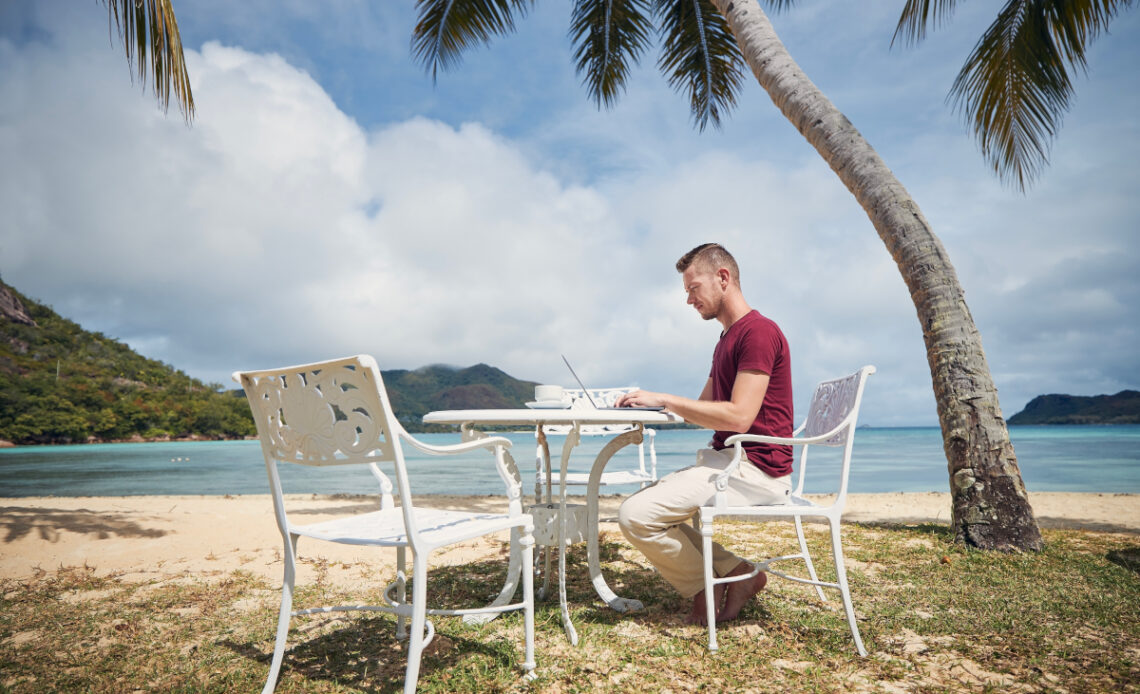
642, 398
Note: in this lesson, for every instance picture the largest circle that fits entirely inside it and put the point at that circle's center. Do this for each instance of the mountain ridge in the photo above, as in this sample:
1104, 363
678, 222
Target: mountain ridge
1058, 408
60, 383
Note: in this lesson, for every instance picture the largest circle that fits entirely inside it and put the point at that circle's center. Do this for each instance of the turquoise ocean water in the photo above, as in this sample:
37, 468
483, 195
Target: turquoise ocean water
1058, 458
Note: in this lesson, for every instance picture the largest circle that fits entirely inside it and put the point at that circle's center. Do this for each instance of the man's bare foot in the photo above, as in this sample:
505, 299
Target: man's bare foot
740, 592
699, 614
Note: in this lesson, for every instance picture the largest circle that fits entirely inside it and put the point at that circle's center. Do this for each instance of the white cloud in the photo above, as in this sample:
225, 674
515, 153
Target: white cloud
278, 229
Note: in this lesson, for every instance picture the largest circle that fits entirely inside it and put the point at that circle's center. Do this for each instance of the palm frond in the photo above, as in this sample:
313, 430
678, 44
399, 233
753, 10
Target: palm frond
779, 5
1075, 24
700, 56
610, 36
446, 28
1015, 86
917, 15
149, 32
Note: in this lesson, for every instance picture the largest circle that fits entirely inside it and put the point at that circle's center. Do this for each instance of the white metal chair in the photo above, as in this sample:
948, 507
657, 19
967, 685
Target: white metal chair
830, 422
603, 397
337, 413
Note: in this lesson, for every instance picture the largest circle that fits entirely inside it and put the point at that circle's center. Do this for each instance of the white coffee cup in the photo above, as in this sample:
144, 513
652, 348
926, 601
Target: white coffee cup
548, 393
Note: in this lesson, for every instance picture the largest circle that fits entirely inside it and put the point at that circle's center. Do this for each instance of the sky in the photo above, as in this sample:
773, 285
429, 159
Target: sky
331, 199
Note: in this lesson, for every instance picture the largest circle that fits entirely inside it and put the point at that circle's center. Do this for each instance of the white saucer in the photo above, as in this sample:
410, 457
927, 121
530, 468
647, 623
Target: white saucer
548, 405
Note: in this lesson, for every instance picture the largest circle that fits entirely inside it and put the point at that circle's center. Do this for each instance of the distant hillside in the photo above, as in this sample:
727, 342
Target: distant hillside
415, 393
1122, 408
60, 383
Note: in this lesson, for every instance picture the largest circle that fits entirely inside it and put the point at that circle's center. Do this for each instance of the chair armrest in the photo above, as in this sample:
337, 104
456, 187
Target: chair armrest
450, 449
498, 445
720, 498
779, 440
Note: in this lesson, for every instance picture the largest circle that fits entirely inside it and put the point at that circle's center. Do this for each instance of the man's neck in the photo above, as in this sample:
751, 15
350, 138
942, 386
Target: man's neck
734, 309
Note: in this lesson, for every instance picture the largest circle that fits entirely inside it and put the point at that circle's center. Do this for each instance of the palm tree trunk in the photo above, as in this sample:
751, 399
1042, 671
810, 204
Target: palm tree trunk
990, 507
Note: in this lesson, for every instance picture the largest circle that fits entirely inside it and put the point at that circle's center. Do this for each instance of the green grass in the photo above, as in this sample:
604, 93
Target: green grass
935, 617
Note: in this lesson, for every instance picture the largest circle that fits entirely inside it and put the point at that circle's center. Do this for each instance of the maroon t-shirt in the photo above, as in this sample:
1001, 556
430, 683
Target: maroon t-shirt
755, 343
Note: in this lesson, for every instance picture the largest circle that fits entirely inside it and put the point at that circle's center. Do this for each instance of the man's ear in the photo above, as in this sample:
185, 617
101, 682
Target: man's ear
724, 276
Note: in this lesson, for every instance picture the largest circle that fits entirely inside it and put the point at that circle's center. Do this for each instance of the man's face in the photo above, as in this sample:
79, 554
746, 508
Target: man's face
705, 291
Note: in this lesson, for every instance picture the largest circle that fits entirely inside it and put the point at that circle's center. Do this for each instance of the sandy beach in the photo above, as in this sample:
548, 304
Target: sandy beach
159, 537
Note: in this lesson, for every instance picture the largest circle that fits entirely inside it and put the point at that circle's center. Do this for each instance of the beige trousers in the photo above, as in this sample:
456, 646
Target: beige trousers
655, 520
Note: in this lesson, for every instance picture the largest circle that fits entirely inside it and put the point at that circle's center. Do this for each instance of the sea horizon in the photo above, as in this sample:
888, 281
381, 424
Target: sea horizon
1075, 458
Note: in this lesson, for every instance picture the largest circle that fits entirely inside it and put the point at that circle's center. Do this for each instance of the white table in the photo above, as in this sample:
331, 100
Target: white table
575, 418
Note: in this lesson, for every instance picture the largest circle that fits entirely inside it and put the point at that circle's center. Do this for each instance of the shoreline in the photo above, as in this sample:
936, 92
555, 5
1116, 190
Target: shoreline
147, 538
192, 438
4, 443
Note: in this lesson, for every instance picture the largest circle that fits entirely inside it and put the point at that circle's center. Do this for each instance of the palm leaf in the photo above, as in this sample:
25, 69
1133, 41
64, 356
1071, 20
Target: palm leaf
779, 5
700, 56
1077, 23
610, 36
916, 15
446, 28
149, 32
1015, 87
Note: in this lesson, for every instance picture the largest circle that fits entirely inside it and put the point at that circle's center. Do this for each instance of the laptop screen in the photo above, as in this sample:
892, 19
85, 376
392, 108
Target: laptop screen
591, 397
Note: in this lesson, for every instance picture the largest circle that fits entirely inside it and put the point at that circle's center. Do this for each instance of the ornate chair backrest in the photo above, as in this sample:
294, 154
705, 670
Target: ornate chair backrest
326, 413
834, 410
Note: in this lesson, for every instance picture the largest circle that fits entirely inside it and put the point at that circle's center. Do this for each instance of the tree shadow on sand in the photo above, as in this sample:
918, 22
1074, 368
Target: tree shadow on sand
19, 522
1129, 558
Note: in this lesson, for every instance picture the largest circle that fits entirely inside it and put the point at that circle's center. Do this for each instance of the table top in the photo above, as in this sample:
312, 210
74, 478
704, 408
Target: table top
552, 416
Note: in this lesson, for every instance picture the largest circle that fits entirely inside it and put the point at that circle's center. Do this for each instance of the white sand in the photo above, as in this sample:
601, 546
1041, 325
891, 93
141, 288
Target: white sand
160, 537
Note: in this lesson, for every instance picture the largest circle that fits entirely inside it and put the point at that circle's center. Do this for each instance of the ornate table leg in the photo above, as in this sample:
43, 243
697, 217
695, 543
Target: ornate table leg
592, 550
572, 439
546, 558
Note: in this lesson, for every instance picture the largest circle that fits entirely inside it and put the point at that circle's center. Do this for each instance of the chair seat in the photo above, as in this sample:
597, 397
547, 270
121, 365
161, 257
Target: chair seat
386, 528
796, 506
618, 477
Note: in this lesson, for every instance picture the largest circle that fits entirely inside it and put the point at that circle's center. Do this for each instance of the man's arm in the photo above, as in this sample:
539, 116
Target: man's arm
737, 414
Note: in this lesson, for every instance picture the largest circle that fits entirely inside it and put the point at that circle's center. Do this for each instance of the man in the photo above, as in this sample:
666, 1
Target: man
749, 390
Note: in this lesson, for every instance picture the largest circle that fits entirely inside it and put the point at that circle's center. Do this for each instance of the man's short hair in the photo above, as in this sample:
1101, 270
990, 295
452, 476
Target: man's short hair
710, 257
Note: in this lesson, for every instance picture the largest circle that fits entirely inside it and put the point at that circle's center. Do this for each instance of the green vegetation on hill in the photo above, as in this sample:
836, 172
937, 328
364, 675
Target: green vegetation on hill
1121, 408
415, 393
62, 384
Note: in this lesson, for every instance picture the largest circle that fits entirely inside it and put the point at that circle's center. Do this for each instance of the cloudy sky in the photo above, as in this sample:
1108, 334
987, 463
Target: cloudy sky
330, 199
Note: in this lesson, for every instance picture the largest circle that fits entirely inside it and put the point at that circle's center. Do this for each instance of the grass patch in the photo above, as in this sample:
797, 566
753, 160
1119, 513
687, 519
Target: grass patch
935, 616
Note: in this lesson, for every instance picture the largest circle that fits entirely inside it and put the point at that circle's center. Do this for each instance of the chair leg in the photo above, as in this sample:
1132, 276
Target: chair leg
710, 588
284, 615
807, 556
527, 546
547, 560
401, 592
511, 585
841, 573
419, 619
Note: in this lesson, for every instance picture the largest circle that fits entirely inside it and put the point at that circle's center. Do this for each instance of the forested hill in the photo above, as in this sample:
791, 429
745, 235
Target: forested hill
1121, 408
60, 383
415, 393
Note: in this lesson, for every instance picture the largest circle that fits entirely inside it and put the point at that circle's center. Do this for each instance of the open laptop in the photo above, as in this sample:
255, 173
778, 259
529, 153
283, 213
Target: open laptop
591, 398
